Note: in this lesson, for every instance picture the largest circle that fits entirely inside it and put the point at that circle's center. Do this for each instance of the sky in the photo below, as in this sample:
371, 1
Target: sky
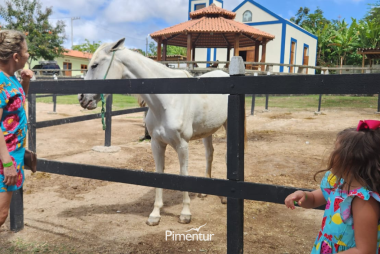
134, 20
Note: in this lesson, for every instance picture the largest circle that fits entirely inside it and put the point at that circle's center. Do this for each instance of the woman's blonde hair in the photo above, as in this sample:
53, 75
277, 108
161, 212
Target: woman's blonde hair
11, 41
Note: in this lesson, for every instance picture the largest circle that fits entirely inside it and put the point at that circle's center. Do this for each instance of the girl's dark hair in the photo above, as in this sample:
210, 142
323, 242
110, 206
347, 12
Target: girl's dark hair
356, 156
11, 41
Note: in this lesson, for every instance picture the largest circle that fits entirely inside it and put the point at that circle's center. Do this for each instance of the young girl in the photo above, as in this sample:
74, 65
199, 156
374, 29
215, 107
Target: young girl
350, 190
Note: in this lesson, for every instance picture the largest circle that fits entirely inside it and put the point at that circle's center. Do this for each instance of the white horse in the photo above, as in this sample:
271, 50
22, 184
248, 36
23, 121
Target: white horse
171, 119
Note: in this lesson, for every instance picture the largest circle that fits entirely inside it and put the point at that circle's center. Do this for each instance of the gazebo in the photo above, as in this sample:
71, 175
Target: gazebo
370, 53
211, 27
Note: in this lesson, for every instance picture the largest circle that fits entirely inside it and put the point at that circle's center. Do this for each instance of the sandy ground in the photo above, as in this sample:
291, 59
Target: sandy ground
75, 215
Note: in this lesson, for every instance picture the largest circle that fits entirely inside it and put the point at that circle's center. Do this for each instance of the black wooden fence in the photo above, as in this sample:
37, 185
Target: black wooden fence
234, 188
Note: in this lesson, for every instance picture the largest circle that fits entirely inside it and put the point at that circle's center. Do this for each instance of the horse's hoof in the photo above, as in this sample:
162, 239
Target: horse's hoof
200, 195
153, 221
184, 219
223, 200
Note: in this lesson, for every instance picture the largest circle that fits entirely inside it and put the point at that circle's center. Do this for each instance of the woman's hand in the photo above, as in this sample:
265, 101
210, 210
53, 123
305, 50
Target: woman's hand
298, 196
10, 175
26, 74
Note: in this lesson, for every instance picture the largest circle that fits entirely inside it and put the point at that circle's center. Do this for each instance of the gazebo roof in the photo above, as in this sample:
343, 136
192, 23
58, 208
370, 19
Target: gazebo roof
212, 10
371, 53
211, 27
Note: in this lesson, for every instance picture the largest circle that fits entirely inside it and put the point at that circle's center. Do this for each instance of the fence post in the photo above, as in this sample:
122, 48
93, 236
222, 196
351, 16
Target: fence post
235, 161
54, 103
107, 141
378, 104
16, 215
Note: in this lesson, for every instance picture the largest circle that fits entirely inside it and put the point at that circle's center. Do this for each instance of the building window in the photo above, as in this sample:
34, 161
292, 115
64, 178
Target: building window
83, 67
247, 16
199, 6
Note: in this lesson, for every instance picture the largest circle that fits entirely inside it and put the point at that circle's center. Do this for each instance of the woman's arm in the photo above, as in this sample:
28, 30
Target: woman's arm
305, 199
10, 173
26, 75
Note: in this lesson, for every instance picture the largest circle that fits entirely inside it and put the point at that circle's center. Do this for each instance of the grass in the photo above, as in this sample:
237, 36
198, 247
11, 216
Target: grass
120, 101
292, 102
311, 101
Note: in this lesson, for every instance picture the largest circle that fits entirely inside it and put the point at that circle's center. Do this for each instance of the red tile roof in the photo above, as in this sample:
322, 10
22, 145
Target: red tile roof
210, 24
78, 54
212, 10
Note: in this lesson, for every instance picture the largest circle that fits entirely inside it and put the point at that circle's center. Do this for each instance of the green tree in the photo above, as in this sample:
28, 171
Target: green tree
44, 40
153, 48
308, 20
171, 50
87, 46
373, 13
345, 41
174, 50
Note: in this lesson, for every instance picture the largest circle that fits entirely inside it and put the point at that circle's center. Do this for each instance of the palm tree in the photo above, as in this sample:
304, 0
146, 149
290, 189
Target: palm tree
345, 40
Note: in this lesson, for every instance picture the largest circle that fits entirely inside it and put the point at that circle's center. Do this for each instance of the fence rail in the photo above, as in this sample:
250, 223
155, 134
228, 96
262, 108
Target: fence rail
235, 189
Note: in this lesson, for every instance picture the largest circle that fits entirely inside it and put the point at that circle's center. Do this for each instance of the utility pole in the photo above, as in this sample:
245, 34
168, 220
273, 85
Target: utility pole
72, 18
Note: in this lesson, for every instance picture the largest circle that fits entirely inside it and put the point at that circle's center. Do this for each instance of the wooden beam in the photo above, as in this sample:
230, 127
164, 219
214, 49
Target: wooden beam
173, 37
228, 54
196, 40
257, 51
193, 57
363, 63
188, 47
236, 44
159, 49
165, 49
263, 54
225, 39
250, 38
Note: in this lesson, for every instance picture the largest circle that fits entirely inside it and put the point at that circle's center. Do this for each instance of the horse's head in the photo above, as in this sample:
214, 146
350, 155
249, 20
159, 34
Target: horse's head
101, 62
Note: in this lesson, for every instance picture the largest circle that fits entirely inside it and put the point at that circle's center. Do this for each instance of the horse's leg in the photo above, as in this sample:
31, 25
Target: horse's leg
158, 150
207, 142
183, 156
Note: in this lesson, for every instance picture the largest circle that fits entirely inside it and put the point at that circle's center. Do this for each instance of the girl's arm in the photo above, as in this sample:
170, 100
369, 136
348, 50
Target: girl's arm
366, 217
10, 173
305, 199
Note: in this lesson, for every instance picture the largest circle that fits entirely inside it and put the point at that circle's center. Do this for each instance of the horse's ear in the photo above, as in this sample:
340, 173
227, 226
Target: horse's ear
118, 45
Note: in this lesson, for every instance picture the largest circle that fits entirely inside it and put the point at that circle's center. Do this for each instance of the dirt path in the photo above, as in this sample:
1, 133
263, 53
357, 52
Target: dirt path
74, 215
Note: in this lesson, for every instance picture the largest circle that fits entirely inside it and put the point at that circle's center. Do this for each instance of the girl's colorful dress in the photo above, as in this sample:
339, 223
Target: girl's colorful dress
14, 127
337, 232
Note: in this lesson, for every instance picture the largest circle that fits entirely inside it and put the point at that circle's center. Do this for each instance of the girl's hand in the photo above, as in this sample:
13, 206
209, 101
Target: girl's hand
10, 175
298, 196
26, 74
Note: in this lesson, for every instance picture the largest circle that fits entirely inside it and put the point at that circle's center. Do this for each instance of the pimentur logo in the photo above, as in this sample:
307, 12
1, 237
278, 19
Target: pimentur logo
188, 237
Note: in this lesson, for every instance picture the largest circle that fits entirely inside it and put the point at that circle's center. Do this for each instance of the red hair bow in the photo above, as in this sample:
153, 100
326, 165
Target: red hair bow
368, 125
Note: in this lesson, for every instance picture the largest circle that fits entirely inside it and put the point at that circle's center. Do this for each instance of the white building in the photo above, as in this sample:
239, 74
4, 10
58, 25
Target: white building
292, 44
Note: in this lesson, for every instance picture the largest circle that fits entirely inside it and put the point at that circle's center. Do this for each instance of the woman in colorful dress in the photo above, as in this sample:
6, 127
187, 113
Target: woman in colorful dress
13, 56
349, 189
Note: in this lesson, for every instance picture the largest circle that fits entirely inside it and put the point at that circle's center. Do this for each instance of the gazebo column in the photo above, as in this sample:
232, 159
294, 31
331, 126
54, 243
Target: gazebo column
363, 63
193, 52
188, 48
159, 49
164, 53
263, 53
228, 55
257, 53
237, 40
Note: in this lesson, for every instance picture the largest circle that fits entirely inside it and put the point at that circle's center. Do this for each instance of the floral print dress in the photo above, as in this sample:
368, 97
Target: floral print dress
14, 127
337, 232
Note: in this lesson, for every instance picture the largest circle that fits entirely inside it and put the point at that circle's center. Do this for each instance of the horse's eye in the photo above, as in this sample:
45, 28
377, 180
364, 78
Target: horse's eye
94, 66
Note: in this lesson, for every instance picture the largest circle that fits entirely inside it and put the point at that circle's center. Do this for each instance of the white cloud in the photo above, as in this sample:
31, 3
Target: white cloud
135, 11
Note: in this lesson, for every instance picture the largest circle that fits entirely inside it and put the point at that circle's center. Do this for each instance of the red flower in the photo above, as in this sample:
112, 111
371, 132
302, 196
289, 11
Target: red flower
11, 122
14, 104
11, 142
